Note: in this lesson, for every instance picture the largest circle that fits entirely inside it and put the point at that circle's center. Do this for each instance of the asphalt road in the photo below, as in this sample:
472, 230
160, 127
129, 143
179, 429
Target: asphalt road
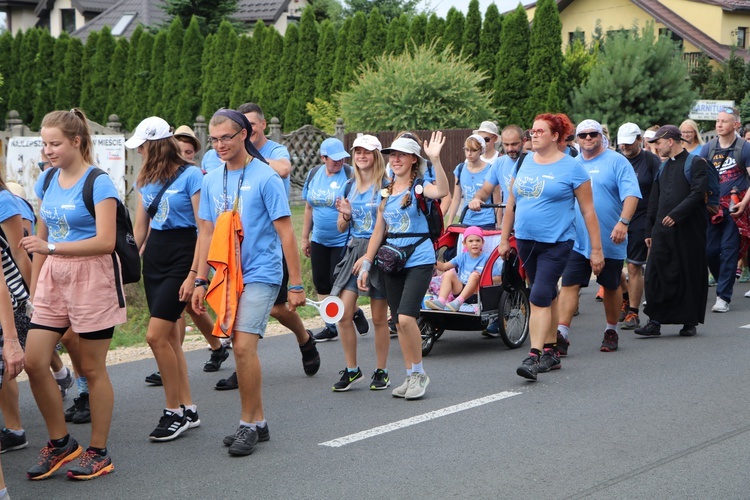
661, 418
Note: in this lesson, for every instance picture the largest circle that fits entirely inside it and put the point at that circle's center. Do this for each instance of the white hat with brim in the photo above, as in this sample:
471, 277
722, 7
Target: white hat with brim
409, 146
152, 128
488, 127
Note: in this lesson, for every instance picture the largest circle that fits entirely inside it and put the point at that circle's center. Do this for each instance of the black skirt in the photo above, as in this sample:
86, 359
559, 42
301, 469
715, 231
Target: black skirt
166, 264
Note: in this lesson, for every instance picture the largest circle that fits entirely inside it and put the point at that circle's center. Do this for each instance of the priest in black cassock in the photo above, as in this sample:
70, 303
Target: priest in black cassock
676, 281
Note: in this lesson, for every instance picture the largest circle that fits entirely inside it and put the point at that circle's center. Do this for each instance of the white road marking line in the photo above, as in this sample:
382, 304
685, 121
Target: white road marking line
745, 326
418, 419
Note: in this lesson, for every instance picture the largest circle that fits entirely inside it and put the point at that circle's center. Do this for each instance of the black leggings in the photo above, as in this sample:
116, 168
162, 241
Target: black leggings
324, 260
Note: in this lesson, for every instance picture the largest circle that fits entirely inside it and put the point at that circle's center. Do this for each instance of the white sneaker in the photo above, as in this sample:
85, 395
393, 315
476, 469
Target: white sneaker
400, 391
747, 294
417, 385
721, 306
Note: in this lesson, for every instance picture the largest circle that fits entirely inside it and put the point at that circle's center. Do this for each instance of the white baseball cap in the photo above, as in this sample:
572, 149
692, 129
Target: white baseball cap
627, 133
488, 127
152, 128
369, 142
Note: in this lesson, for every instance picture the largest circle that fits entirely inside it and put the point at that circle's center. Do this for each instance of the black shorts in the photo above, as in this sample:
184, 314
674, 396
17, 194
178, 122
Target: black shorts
405, 290
105, 334
324, 260
283, 296
166, 264
578, 272
637, 249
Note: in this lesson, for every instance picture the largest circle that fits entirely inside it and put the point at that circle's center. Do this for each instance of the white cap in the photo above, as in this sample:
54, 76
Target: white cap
649, 134
489, 127
152, 128
409, 146
627, 133
369, 142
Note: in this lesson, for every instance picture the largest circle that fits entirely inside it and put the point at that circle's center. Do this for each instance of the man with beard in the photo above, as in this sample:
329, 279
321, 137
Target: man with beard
676, 276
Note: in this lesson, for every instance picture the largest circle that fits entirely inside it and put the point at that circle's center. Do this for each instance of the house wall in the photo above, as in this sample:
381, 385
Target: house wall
294, 10
21, 18
55, 17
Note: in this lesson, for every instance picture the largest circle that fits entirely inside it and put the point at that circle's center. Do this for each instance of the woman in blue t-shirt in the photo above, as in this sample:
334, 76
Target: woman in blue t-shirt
357, 214
399, 213
75, 288
168, 197
470, 177
542, 209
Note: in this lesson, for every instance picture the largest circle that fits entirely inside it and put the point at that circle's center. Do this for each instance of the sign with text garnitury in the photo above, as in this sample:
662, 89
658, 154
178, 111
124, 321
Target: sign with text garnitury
708, 110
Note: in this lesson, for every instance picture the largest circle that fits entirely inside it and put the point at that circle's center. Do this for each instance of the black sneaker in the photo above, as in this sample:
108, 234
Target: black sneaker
562, 345
688, 331
325, 335
392, 326
90, 466
217, 358
529, 368
263, 435
650, 330
65, 384
380, 380
82, 413
171, 425
10, 441
154, 379
310, 356
347, 379
363, 327
549, 361
245, 440
609, 344
51, 458
192, 417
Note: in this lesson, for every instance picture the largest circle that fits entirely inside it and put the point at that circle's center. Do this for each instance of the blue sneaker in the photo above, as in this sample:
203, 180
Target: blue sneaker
492, 330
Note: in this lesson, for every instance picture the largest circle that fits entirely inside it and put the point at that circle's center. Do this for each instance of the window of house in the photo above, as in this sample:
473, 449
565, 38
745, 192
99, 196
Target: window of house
123, 23
68, 20
576, 35
741, 37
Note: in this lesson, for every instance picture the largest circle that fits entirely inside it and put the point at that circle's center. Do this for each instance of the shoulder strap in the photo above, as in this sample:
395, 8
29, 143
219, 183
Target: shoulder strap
520, 160
460, 169
312, 173
739, 144
48, 179
348, 187
712, 148
153, 207
348, 170
88, 189
688, 167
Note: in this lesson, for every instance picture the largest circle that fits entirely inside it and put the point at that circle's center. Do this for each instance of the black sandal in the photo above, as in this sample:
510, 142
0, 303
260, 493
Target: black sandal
217, 358
227, 384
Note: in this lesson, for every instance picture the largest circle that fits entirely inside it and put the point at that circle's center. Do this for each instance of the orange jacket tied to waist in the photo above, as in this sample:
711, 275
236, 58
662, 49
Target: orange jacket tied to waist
226, 286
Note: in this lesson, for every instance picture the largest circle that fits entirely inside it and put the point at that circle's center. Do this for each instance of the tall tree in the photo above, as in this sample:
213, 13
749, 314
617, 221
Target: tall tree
511, 86
326, 60
224, 45
117, 78
209, 13
398, 34
255, 61
418, 30
44, 88
87, 68
58, 67
489, 44
69, 81
472, 33
241, 68
339, 65
377, 35
189, 100
105, 48
270, 98
172, 77
355, 40
208, 65
454, 30
129, 97
306, 69
29, 51
158, 59
390, 9
140, 108
434, 32
13, 80
6, 47
545, 55
577, 65
288, 63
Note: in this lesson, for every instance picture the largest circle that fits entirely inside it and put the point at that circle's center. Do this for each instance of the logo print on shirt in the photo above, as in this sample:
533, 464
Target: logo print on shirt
397, 221
162, 211
322, 197
56, 225
529, 187
363, 220
220, 203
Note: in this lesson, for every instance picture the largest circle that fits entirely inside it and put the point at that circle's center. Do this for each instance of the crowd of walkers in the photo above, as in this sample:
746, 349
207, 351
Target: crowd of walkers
667, 206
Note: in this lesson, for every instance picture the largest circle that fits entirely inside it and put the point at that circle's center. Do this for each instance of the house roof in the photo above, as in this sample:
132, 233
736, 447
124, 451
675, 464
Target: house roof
267, 11
678, 25
148, 13
18, 3
82, 6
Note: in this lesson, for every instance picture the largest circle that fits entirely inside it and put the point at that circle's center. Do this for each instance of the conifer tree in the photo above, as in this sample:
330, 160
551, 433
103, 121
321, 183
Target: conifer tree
189, 101
398, 32
434, 32
306, 69
702, 73
555, 102
13, 81
295, 114
288, 63
29, 51
256, 62
158, 53
208, 64
87, 67
418, 30
454, 30
240, 70
117, 78
472, 33
326, 60
270, 98
129, 98
377, 35
105, 48
339, 65
355, 41
489, 44
224, 46
545, 56
44, 88
511, 85
6, 47
140, 108
172, 78
69, 80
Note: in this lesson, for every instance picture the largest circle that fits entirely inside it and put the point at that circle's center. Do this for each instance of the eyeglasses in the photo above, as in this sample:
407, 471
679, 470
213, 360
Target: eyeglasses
469, 150
223, 139
536, 132
584, 135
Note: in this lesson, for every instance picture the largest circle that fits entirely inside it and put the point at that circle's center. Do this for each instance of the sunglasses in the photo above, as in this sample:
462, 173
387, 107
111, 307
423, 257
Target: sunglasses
487, 139
731, 111
584, 135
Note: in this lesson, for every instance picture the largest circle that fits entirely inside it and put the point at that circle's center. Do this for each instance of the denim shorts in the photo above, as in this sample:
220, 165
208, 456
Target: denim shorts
373, 292
254, 308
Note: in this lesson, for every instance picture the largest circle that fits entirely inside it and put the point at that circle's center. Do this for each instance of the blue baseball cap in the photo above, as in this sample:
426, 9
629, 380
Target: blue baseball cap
333, 149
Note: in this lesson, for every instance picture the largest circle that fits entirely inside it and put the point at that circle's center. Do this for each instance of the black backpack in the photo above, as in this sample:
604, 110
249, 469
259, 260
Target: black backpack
125, 247
431, 210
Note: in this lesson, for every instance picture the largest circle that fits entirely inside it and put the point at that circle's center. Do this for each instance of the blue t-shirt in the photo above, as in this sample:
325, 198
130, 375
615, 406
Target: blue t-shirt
211, 161
262, 201
321, 192
612, 180
364, 210
9, 206
175, 208
471, 182
274, 151
545, 199
502, 171
409, 220
63, 210
27, 212
466, 264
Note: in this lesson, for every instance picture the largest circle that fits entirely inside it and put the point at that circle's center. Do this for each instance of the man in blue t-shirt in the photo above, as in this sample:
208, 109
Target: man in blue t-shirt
723, 236
616, 194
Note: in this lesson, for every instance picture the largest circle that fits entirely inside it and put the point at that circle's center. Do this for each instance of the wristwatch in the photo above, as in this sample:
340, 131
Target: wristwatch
51, 247
624, 221
201, 282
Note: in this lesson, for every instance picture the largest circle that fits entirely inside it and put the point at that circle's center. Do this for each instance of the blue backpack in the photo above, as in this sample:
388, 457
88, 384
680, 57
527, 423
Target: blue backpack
712, 192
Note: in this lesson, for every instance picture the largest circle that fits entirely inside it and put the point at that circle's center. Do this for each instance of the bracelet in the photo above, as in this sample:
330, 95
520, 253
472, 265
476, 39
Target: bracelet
296, 288
366, 266
301, 290
194, 271
343, 216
